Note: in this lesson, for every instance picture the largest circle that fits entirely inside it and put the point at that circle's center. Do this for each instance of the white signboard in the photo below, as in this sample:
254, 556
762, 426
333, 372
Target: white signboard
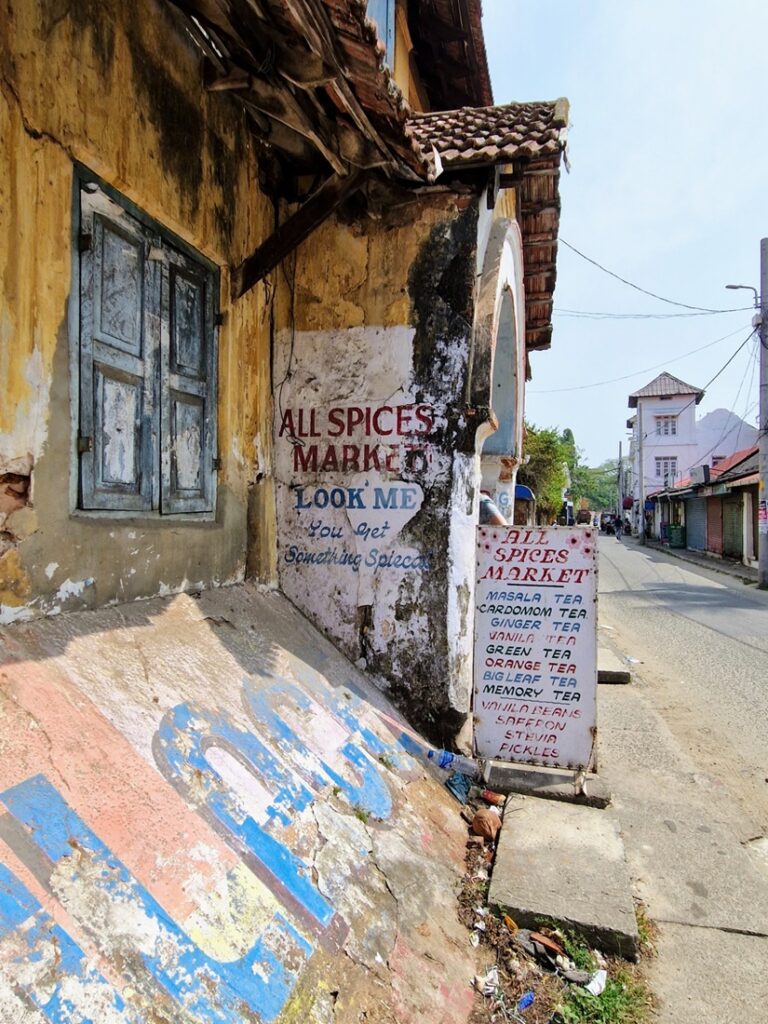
535, 678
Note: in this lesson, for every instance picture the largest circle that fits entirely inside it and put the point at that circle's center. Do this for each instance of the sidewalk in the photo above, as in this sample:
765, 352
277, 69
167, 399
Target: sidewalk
726, 566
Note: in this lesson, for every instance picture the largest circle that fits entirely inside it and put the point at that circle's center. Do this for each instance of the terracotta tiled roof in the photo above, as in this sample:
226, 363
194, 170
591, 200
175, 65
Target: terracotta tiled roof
491, 135
735, 460
528, 139
665, 385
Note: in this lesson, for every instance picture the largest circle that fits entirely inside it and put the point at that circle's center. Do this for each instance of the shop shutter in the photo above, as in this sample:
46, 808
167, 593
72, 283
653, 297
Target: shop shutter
715, 525
733, 527
188, 369
696, 523
117, 392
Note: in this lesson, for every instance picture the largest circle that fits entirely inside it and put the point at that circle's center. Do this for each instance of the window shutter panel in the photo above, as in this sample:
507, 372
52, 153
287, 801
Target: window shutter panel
117, 391
188, 386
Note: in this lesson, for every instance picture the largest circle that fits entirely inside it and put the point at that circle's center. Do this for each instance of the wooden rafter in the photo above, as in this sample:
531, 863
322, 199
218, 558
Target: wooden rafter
292, 233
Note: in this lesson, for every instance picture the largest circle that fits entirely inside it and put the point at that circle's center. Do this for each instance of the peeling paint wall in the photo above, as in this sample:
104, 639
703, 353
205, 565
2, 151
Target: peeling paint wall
118, 88
204, 818
375, 462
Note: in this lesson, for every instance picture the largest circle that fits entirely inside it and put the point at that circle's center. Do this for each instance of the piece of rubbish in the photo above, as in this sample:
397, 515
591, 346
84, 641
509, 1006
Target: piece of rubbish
487, 983
497, 799
597, 982
467, 814
454, 763
514, 967
526, 1001
564, 963
512, 925
474, 939
480, 911
577, 977
485, 823
599, 959
479, 926
482, 874
543, 954
459, 786
523, 940
548, 943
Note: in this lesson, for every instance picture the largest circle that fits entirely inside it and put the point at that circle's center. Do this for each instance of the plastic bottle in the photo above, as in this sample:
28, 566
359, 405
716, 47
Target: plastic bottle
454, 763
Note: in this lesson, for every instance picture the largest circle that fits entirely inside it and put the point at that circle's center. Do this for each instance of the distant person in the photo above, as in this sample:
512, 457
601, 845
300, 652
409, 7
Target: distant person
617, 527
489, 511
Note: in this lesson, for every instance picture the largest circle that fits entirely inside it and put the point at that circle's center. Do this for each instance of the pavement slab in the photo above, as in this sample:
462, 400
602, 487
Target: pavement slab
711, 976
565, 863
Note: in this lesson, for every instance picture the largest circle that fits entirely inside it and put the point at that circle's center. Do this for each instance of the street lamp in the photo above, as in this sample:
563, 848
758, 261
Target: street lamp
746, 288
760, 323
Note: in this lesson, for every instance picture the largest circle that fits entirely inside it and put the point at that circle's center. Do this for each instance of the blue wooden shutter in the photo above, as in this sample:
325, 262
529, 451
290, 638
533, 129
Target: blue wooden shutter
187, 385
383, 13
118, 421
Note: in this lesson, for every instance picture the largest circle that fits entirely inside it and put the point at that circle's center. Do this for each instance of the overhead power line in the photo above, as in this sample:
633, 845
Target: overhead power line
645, 291
728, 429
725, 365
638, 373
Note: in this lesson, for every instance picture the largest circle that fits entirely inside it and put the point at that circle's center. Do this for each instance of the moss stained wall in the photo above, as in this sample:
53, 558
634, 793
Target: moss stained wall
118, 88
373, 479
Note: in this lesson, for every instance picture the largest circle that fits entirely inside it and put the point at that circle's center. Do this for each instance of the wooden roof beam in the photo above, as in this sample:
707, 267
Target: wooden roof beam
292, 233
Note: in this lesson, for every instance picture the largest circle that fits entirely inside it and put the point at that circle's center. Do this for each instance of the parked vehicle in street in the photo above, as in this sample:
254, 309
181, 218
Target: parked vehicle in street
606, 522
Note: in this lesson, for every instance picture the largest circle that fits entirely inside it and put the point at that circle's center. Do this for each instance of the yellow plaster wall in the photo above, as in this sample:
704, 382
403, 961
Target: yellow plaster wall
405, 74
118, 88
356, 274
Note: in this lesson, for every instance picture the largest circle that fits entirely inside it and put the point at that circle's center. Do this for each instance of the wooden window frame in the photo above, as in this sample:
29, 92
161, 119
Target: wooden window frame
168, 386
666, 466
668, 421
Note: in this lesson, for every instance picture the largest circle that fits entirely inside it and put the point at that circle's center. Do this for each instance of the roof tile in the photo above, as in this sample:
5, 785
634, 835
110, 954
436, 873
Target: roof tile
473, 135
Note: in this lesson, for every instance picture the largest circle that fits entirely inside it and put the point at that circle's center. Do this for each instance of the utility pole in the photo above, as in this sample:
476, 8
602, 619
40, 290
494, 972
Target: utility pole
641, 535
620, 487
762, 494
760, 323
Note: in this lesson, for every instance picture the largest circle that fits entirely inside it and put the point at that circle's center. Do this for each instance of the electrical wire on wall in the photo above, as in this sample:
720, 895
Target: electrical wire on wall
278, 389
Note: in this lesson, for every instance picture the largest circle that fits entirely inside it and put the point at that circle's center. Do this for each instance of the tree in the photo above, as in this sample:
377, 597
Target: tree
597, 484
547, 469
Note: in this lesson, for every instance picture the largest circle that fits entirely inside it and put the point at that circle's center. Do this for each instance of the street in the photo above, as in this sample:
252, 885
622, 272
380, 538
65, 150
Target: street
683, 749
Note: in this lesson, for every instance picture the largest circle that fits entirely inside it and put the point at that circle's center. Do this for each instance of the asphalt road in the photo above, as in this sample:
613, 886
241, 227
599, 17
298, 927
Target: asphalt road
684, 749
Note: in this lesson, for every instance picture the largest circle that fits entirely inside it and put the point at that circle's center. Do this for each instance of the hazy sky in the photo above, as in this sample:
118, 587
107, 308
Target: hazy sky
668, 187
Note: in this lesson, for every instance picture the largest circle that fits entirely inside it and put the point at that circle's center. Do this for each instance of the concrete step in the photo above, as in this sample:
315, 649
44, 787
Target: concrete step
565, 863
610, 669
547, 783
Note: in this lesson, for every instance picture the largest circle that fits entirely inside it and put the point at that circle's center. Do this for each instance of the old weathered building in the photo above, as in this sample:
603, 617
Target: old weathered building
259, 316
265, 323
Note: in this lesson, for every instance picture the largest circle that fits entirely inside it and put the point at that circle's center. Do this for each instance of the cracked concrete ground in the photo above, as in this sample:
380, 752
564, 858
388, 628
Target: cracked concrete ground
683, 750
261, 818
